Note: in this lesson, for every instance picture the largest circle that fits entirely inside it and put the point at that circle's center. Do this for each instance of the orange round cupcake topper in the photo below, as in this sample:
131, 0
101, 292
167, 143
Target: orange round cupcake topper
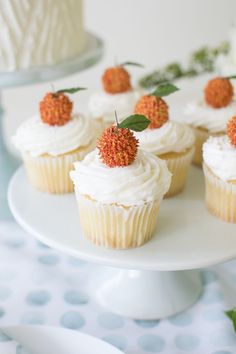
56, 108
154, 108
219, 92
231, 131
116, 80
118, 146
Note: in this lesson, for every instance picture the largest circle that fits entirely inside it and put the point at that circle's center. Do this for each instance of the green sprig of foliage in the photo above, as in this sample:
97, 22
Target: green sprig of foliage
201, 61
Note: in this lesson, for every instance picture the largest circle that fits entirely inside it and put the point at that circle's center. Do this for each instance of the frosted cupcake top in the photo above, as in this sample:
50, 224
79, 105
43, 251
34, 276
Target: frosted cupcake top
162, 135
37, 138
144, 180
118, 94
220, 155
55, 130
170, 137
213, 112
200, 115
103, 104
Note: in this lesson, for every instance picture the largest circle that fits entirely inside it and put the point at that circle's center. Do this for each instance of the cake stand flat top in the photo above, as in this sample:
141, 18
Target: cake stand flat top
91, 54
187, 236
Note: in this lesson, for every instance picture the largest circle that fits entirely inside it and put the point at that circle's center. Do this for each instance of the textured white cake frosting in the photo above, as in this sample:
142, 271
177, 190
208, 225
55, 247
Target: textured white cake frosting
39, 32
145, 180
38, 138
171, 137
220, 156
199, 114
103, 105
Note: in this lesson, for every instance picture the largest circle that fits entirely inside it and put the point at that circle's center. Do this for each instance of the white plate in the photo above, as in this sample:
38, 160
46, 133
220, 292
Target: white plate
55, 340
187, 236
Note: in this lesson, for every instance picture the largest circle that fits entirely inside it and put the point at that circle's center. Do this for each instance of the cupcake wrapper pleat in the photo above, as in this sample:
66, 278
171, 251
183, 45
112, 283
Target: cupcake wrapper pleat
117, 226
178, 166
220, 196
51, 173
200, 137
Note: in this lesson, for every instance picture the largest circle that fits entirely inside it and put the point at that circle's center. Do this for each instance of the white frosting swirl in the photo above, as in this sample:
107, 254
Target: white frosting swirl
37, 138
103, 105
199, 114
220, 156
145, 180
171, 137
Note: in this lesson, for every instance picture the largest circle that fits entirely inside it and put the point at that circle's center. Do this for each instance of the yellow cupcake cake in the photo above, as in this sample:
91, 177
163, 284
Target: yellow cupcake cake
171, 141
209, 116
119, 189
219, 155
117, 94
51, 141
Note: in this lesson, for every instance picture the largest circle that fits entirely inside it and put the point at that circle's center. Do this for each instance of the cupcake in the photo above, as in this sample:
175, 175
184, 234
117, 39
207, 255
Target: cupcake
219, 165
170, 141
119, 190
117, 94
209, 117
51, 141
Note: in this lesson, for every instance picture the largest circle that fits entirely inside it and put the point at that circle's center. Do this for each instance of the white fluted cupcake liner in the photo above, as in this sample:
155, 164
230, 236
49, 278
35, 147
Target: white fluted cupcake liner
220, 196
116, 226
51, 173
178, 165
201, 136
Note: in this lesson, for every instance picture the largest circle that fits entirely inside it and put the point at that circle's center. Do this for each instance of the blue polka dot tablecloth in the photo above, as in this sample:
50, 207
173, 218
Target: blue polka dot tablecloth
39, 285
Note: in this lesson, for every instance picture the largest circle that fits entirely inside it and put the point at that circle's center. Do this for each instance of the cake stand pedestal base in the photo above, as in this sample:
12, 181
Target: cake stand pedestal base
146, 295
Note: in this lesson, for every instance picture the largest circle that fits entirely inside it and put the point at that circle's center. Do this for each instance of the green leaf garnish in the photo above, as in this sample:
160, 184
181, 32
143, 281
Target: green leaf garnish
135, 122
232, 316
200, 61
230, 77
132, 63
164, 90
71, 90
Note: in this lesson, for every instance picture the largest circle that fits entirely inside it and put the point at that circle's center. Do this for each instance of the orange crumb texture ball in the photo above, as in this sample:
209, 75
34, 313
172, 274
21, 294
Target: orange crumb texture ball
154, 108
55, 109
116, 80
219, 92
231, 130
117, 147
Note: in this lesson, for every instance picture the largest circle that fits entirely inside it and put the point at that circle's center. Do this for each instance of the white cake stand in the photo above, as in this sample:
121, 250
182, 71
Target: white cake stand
91, 54
153, 281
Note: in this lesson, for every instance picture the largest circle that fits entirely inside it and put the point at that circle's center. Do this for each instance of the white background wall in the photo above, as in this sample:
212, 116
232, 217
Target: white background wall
152, 32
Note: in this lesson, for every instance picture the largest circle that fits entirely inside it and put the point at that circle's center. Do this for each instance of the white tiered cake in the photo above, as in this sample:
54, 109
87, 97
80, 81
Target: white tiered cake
39, 32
